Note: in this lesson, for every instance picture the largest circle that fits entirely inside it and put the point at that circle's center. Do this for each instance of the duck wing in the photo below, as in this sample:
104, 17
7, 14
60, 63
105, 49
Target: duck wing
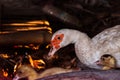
108, 41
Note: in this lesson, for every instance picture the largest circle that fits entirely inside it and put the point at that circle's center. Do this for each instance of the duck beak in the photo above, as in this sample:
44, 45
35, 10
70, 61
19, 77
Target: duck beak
52, 51
16, 78
98, 62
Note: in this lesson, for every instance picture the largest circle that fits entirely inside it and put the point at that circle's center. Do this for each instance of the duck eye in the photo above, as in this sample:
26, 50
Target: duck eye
102, 59
19, 72
59, 37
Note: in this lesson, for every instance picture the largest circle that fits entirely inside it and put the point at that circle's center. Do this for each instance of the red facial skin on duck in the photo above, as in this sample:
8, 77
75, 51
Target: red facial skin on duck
55, 43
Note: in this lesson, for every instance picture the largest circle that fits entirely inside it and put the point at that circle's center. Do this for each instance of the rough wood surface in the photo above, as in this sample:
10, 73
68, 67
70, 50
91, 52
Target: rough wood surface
86, 75
37, 36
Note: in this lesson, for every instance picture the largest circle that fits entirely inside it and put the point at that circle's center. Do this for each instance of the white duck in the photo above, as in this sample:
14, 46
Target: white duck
89, 50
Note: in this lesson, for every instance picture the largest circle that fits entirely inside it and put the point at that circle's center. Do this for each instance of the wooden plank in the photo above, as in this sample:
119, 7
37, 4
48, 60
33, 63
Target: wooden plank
24, 37
86, 75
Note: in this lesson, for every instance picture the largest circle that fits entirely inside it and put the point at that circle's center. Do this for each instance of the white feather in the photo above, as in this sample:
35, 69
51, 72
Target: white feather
90, 50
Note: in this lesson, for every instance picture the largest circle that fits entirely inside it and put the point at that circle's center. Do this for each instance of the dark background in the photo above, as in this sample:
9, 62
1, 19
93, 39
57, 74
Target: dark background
90, 16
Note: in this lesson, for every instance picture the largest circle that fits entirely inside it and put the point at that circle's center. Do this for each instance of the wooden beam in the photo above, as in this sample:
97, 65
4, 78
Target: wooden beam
24, 37
86, 75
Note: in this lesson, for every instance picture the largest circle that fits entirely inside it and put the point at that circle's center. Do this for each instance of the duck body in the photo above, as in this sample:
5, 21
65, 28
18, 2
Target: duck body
89, 50
54, 71
27, 71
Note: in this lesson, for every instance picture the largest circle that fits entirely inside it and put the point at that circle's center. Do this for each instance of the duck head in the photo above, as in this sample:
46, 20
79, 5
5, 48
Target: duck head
25, 71
21, 72
60, 38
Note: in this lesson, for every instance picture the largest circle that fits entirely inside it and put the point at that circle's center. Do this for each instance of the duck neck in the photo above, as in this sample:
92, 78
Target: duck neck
85, 48
33, 75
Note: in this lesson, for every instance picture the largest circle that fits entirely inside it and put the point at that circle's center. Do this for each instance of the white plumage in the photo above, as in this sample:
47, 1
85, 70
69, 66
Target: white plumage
89, 50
